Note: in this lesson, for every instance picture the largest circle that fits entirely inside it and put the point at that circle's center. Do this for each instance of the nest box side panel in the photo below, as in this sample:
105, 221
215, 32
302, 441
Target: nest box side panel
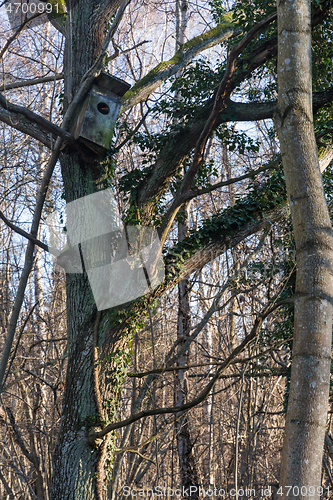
76, 128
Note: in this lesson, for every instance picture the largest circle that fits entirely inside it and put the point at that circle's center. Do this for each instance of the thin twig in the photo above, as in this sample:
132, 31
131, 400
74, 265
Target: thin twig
204, 393
16, 34
18, 339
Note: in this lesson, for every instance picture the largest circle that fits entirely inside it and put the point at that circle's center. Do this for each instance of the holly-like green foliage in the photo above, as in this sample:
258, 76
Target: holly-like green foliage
227, 222
252, 12
236, 140
195, 89
322, 55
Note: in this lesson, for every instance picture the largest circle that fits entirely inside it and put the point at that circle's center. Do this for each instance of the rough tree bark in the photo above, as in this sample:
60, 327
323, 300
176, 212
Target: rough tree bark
308, 399
78, 466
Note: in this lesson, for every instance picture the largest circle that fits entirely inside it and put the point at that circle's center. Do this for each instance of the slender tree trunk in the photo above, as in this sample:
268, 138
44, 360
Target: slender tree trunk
188, 472
187, 467
233, 304
307, 408
181, 21
208, 403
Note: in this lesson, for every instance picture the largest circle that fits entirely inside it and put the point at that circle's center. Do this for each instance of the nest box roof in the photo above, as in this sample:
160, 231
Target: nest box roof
112, 83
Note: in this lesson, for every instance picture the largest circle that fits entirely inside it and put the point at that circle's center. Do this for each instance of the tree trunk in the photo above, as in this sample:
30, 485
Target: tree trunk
78, 471
307, 407
187, 465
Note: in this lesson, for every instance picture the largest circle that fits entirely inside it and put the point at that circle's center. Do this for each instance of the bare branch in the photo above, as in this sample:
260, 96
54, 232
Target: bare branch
132, 450
23, 233
18, 122
19, 438
43, 365
29, 83
152, 438
18, 339
204, 393
134, 47
16, 34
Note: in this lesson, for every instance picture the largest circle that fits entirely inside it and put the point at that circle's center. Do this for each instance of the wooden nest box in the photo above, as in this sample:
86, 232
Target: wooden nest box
97, 116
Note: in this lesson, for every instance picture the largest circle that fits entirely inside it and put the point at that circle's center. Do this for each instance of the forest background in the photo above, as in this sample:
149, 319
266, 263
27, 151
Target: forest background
189, 385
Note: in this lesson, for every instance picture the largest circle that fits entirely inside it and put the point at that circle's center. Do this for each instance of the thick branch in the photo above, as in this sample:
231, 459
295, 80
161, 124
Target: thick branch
17, 117
23, 233
20, 123
220, 240
171, 157
183, 56
262, 53
39, 367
